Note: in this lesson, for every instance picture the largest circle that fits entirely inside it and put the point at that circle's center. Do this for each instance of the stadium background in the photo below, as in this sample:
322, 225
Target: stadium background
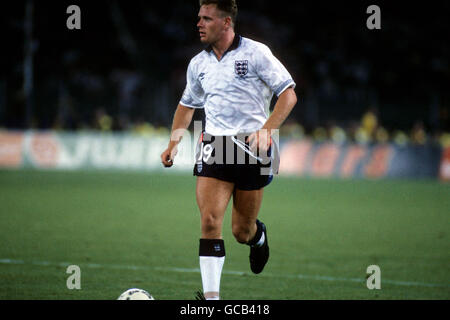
372, 104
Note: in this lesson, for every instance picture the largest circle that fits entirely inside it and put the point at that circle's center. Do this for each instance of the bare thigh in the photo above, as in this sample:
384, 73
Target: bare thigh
213, 196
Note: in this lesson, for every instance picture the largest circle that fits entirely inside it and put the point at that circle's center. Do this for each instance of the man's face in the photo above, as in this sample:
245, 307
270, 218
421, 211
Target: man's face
211, 24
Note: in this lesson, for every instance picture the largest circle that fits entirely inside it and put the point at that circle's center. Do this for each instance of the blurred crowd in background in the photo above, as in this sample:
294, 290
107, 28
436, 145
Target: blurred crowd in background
125, 70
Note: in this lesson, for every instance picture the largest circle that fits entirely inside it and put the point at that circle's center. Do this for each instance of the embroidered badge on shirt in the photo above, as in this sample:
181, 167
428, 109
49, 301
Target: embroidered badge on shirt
241, 67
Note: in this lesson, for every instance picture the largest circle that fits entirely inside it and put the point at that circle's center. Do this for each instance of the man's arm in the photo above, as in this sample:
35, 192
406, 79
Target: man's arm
181, 121
283, 107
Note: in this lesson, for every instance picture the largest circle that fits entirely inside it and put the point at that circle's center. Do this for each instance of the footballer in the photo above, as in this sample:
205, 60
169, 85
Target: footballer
233, 79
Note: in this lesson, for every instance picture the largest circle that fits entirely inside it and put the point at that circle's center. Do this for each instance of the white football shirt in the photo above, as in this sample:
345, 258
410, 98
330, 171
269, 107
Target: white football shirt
236, 91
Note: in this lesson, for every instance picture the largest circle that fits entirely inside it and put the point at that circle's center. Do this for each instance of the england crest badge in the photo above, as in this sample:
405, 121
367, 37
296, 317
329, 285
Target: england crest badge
241, 67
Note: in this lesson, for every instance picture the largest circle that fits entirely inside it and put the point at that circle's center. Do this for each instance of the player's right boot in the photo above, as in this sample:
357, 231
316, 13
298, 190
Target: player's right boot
259, 255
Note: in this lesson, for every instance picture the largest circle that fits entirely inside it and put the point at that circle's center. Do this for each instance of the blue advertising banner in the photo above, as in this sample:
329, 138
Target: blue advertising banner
306, 158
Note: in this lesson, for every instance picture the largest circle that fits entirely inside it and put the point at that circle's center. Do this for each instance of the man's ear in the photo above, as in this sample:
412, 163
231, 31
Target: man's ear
228, 22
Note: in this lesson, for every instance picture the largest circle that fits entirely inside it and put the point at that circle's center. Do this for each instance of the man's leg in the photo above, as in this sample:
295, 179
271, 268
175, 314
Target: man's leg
213, 196
246, 205
247, 229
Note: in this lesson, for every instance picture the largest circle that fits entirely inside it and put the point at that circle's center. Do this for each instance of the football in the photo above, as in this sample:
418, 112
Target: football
135, 294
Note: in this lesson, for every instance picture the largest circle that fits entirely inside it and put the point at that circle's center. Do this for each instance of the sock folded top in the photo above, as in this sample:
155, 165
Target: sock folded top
211, 248
258, 234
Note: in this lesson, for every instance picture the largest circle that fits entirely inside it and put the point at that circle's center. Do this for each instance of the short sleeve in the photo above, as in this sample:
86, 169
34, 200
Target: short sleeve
272, 71
193, 95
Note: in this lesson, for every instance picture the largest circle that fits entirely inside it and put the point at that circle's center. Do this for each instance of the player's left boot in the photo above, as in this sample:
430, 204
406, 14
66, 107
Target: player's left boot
259, 254
199, 295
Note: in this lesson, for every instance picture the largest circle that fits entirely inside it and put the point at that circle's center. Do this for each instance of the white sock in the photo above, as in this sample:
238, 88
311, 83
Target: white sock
212, 258
211, 270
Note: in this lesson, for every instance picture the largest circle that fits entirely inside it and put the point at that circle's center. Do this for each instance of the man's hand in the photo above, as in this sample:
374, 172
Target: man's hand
181, 120
167, 157
260, 140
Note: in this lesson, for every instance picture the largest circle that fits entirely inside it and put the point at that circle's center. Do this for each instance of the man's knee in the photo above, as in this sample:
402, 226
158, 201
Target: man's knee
241, 234
211, 223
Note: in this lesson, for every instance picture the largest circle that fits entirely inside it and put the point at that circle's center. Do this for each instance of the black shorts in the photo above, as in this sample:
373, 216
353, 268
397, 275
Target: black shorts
229, 158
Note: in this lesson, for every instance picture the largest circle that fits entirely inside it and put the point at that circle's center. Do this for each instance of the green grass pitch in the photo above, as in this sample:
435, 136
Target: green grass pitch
134, 229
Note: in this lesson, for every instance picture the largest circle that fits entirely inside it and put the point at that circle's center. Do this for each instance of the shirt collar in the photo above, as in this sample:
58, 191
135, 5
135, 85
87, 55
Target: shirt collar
234, 45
